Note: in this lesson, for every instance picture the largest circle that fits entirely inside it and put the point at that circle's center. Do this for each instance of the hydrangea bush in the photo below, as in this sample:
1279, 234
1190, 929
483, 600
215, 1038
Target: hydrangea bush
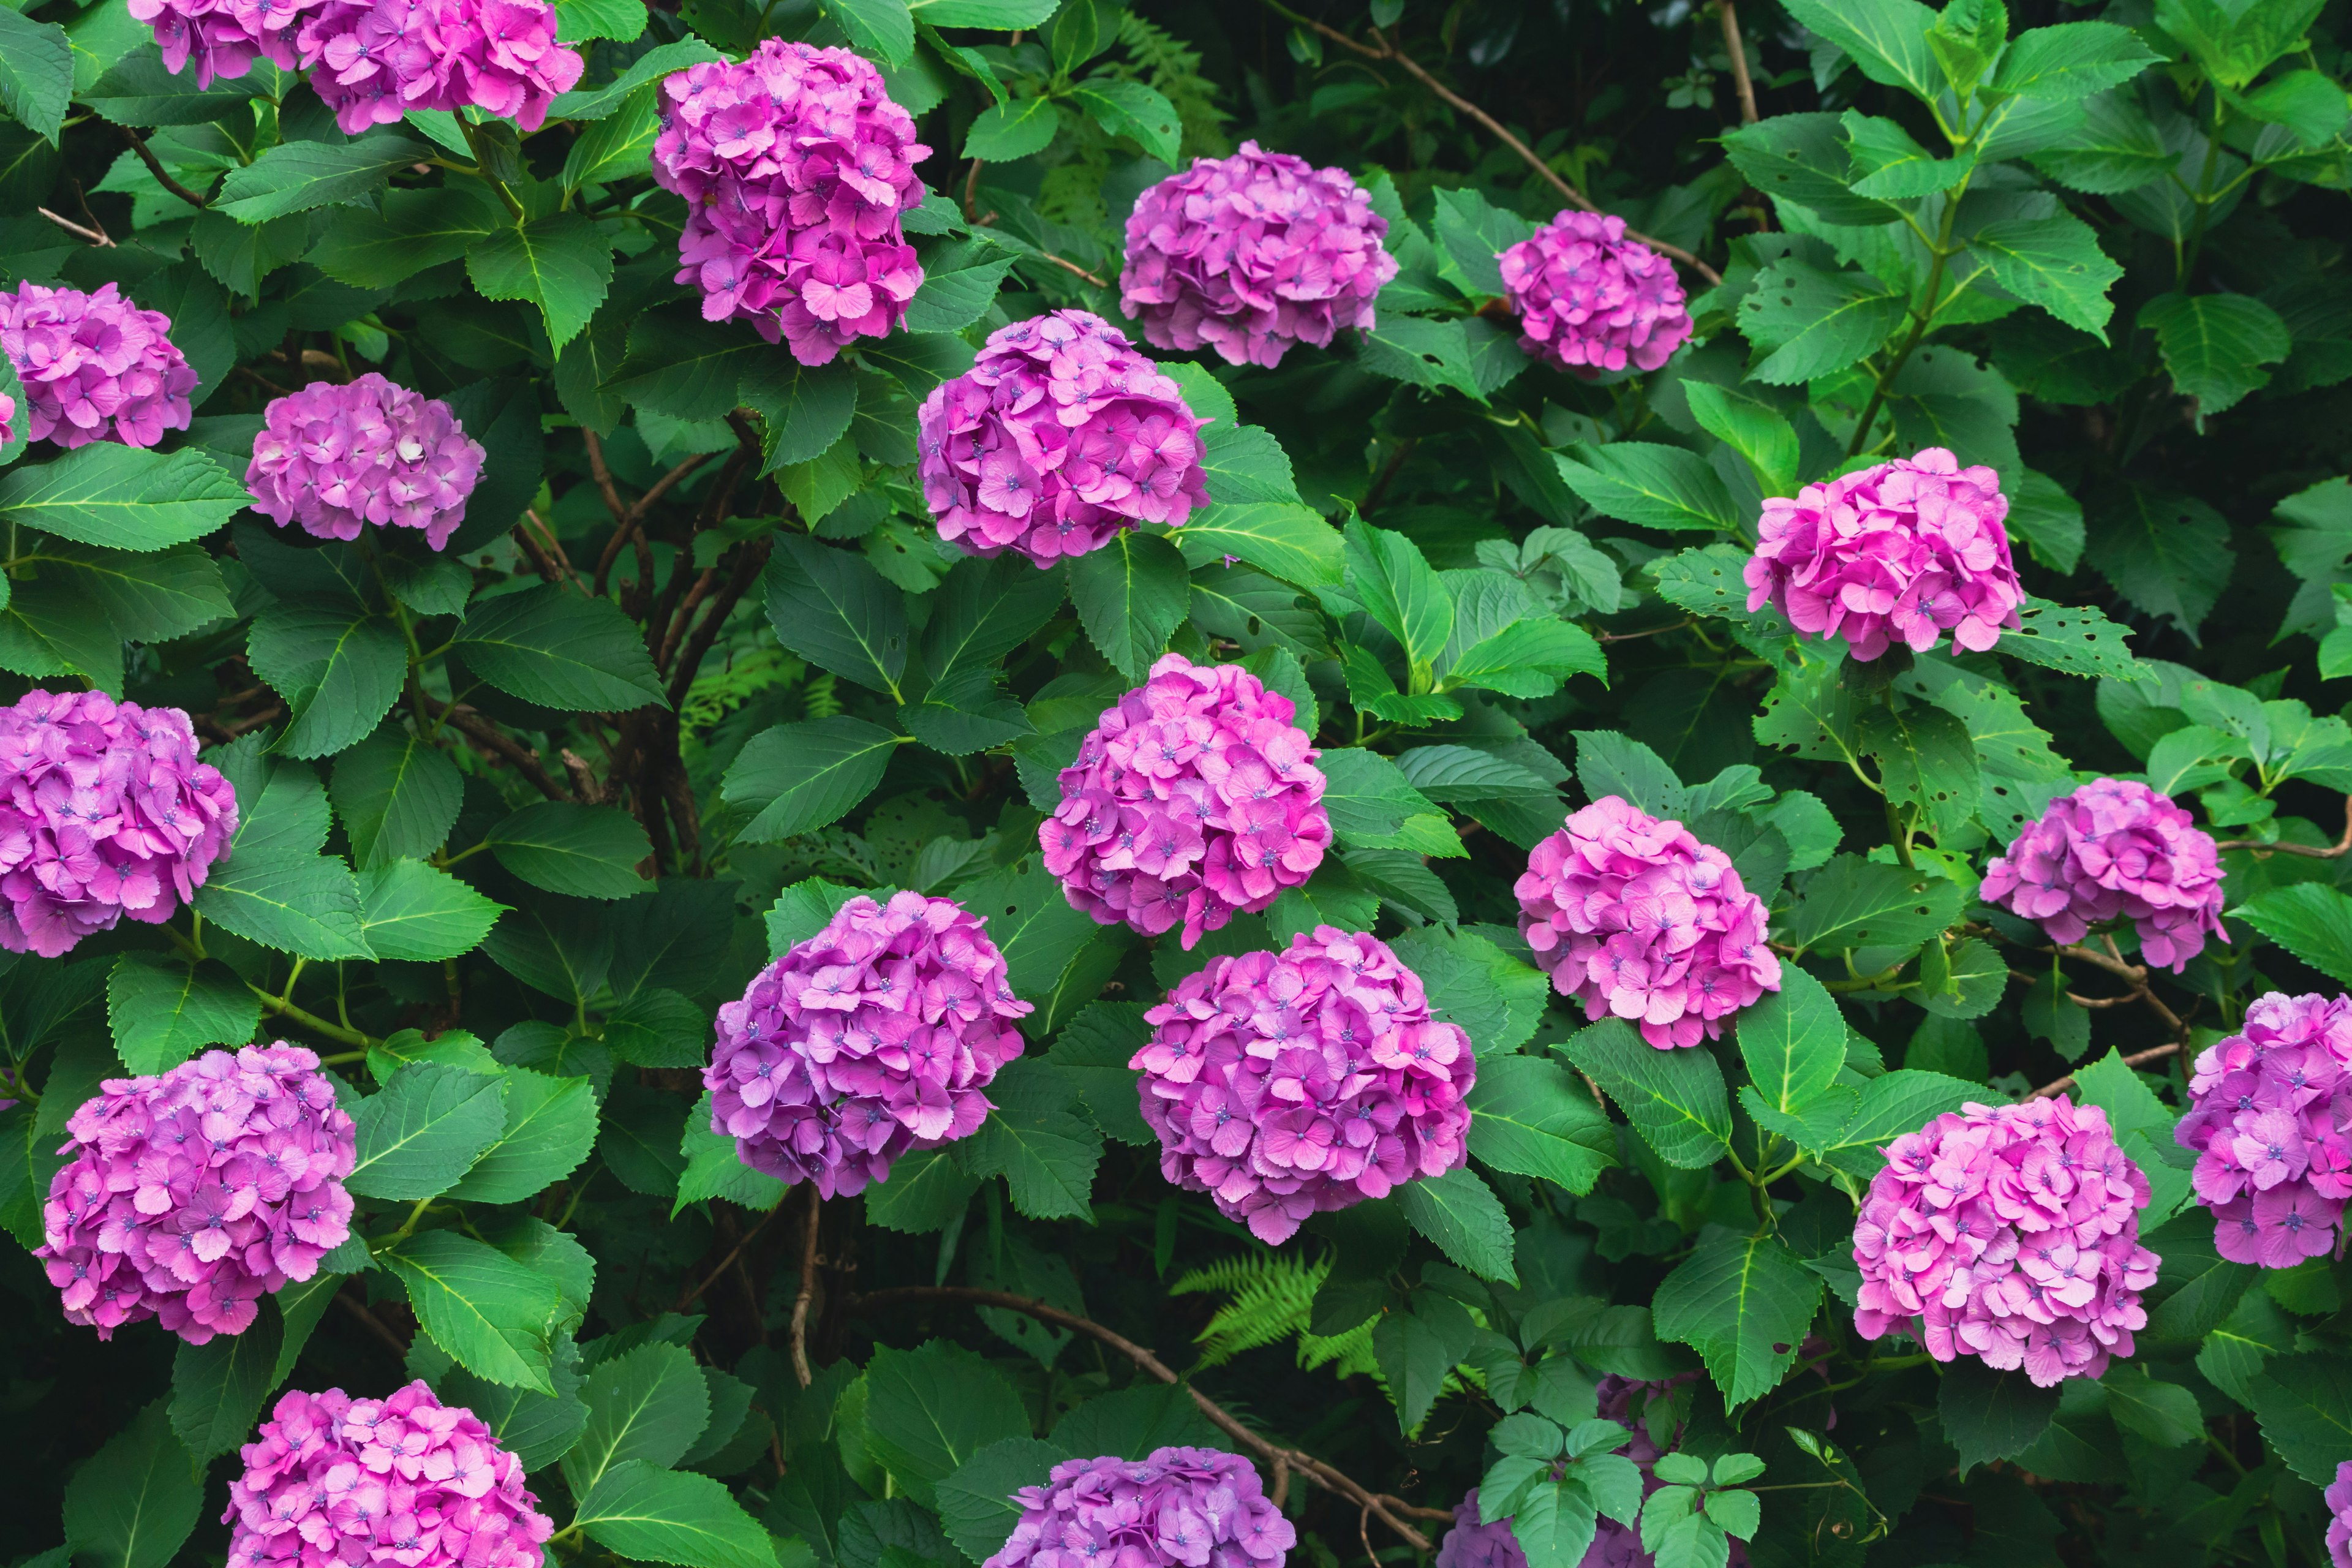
1003, 778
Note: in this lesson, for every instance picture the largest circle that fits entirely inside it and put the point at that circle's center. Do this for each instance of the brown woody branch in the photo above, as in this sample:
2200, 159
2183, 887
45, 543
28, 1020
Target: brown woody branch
2154, 1053
2263, 851
807, 1291
147, 156
489, 739
1737, 50
2135, 976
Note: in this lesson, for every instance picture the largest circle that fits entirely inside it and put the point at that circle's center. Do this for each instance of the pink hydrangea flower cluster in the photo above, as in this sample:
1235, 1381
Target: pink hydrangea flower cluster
104, 811
1061, 437
373, 60
1589, 299
2115, 849
7, 416
368, 452
874, 1036
1282, 1083
402, 1482
94, 367
1195, 798
1634, 916
1901, 552
2270, 1117
191, 1194
223, 37
1251, 254
794, 166
1196, 1508
2339, 1497
2010, 1233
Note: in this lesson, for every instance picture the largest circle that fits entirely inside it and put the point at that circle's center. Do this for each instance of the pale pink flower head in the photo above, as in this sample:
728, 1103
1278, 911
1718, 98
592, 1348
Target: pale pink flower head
1589, 299
373, 62
104, 812
340, 456
190, 1195
1178, 1507
94, 367
2115, 849
2270, 1119
796, 166
1195, 799
874, 1036
1905, 552
2010, 1233
401, 1482
2339, 1517
223, 37
1059, 439
1282, 1083
1251, 254
1633, 917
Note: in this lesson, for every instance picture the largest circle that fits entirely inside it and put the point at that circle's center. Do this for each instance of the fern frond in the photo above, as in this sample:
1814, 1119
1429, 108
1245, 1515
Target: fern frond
819, 701
718, 692
1164, 63
1273, 1295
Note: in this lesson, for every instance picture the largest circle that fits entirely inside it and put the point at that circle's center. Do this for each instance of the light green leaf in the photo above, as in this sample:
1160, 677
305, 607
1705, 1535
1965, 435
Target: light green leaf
1676, 1100
2053, 262
1131, 109
425, 1130
2066, 637
497, 1316
1284, 538
1006, 133
1130, 596
296, 176
652, 1515
561, 262
1461, 1214
2311, 920
37, 72
806, 775
2073, 60
1654, 486
303, 903
1806, 322
1851, 902
421, 913
339, 668
1887, 40
928, 1411
1793, 1041
397, 796
1529, 1117
123, 498
162, 1012
1744, 1303
648, 1404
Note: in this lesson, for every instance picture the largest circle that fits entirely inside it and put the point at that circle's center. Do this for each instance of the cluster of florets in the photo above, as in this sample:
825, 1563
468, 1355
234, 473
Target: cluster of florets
191, 1195
1251, 254
1901, 552
1313, 1078
1061, 437
1588, 300
223, 37
1181, 1508
874, 1036
94, 367
373, 60
1195, 799
7, 418
340, 456
2009, 1233
794, 166
404, 1482
1634, 916
2339, 1497
2270, 1117
104, 811
2115, 849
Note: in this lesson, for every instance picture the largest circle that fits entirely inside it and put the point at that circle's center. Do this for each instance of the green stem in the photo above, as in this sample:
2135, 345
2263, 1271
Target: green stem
482, 168
280, 1007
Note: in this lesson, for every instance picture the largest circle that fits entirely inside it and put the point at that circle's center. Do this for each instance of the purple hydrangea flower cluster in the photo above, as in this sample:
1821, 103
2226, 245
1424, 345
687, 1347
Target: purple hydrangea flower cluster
1251, 254
1196, 798
404, 1482
94, 367
2339, 1497
7, 414
1589, 299
2010, 1233
339, 457
1901, 552
104, 812
373, 60
1196, 1508
1061, 437
794, 166
874, 1036
191, 1194
2115, 849
1634, 916
223, 37
2270, 1116
1281, 1083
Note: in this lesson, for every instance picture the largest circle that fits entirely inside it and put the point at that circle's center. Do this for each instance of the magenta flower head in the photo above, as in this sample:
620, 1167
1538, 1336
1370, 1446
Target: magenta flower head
1633, 917
1282, 1083
402, 1482
2268, 1108
1901, 552
1251, 254
2008, 1233
8, 416
1061, 437
2115, 849
104, 812
1195, 799
794, 166
223, 37
1589, 299
337, 457
191, 1194
373, 60
2339, 1517
874, 1036
94, 367
1181, 1508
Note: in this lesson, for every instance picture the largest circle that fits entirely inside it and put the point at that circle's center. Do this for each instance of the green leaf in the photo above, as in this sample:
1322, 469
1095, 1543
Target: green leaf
1093, 1051
1758, 432
397, 796
984, 610
1991, 1415
619, 146
580, 21
648, 1404
714, 1167
1131, 109
1928, 762
1649, 485
1676, 1100
930, 1411
1804, 159
1501, 793
123, 498
37, 73
959, 283
688, 368
1888, 164
587, 851
2305, 1404
652, 1515
1131, 594
878, 27
303, 903
926, 1192
2216, 345
163, 1011
494, 1314
1527, 658
976, 1502
561, 262
1417, 1350
1793, 1041
2052, 262
339, 668
1046, 1155
1421, 351
551, 1125
804, 410
151, 597
554, 648
1461, 1214
218, 1388
806, 775
1387, 573
1475, 233
1243, 463
1806, 322
2073, 60
1496, 998
416, 230
1285, 539
1531, 1118
133, 1503
1744, 1303
1851, 902
425, 1130
1009, 131
296, 176
2166, 551
2164, 1412
2235, 41
2076, 640
1887, 40
2311, 920
1374, 805
665, 59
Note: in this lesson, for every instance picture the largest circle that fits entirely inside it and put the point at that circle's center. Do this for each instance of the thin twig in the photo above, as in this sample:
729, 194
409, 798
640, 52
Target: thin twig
147, 156
1071, 267
747, 571
627, 520
2154, 1053
724, 1264
1652, 632
807, 1289
95, 235
1738, 52
2263, 851
489, 738
372, 1323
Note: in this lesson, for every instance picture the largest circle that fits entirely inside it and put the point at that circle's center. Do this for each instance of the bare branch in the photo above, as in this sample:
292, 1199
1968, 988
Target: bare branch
2263, 851
147, 156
